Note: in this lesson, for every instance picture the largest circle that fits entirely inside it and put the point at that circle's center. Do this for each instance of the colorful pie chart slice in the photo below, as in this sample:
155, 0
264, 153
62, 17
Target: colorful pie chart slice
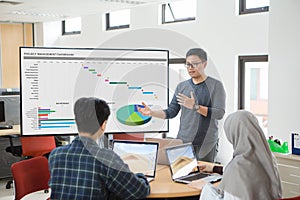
129, 115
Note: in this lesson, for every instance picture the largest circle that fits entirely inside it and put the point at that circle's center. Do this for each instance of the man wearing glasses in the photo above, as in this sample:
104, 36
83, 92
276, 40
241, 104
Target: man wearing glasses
201, 100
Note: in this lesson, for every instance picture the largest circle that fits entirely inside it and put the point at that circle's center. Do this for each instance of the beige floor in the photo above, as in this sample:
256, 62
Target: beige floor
5, 194
8, 194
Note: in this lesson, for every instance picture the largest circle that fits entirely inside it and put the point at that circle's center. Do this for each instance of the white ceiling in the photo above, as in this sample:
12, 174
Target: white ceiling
53, 10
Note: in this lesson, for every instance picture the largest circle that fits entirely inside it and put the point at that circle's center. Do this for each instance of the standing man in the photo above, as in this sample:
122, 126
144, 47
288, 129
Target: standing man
83, 170
201, 100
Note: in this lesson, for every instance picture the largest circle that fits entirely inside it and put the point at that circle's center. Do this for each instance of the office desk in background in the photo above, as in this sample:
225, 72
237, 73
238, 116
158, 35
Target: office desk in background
8, 137
7, 132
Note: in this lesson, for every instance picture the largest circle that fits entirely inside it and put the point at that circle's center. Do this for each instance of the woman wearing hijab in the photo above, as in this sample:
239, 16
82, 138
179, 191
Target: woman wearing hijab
252, 173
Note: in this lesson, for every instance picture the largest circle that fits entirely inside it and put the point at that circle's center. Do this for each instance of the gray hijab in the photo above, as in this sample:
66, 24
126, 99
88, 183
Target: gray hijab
252, 173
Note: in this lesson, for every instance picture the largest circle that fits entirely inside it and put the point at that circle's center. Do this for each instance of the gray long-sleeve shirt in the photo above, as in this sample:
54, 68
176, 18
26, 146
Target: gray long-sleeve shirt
194, 127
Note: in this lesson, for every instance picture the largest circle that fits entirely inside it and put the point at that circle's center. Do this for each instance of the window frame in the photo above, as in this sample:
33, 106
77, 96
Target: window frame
64, 32
241, 75
244, 10
108, 27
163, 20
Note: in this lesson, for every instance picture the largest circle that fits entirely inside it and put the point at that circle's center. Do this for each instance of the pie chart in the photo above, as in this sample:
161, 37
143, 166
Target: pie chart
129, 115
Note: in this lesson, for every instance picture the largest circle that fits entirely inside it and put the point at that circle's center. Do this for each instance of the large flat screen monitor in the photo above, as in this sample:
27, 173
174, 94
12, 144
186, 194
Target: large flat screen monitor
52, 79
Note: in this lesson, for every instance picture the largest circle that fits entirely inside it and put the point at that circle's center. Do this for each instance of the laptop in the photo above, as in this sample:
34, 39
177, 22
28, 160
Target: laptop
141, 157
184, 167
164, 143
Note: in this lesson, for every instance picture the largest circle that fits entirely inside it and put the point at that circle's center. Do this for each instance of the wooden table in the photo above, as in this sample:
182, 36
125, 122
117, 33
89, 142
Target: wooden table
164, 187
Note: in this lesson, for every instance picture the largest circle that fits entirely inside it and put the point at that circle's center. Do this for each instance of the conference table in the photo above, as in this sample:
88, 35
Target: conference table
164, 187
161, 187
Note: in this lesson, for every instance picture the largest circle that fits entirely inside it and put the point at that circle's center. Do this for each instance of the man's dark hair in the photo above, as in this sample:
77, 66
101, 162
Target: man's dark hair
197, 52
90, 113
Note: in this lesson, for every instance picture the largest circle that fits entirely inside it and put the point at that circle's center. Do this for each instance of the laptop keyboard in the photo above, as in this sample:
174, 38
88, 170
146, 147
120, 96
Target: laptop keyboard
194, 177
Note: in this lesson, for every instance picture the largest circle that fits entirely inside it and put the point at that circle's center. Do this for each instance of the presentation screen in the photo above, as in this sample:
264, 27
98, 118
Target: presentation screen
52, 79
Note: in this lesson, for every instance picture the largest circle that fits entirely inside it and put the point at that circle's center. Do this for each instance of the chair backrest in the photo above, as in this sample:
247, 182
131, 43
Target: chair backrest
37, 146
30, 176
128, 136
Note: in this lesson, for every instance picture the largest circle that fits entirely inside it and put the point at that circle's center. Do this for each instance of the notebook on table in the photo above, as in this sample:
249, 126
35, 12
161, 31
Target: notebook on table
184, 167
163, 144
141, 157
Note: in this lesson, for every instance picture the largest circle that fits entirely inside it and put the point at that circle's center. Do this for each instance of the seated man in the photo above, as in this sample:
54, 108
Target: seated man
83, 170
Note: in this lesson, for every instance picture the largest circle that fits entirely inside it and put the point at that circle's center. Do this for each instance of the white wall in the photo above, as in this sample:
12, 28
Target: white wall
217, 28
284, 51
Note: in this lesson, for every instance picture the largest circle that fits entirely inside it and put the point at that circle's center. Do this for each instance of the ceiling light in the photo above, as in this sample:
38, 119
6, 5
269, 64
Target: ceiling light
125, 1
54, 15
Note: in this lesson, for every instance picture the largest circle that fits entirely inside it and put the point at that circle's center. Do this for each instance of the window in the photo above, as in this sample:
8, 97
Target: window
253, 87
179, 11
71, 26
254, 6
118, 19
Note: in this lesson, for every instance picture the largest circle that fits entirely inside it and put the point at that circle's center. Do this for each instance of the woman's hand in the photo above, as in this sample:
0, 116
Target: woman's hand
207, 167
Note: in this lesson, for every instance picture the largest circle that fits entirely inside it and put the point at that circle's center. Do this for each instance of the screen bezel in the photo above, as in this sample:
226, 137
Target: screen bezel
189, 145
143, 143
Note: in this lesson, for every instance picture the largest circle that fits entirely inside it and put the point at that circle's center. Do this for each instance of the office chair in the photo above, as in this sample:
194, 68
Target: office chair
133, 136
30, 176
37, 146
32, 147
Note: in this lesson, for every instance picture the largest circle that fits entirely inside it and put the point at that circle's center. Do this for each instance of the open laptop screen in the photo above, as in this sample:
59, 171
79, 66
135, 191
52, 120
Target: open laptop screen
182, 160
163, 144
140, 156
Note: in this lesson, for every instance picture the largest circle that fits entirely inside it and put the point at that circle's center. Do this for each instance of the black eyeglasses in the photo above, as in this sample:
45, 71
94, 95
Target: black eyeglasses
193, 65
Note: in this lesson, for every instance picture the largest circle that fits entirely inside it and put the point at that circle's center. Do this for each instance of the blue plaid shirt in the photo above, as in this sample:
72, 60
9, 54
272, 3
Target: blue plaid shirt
83, 170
